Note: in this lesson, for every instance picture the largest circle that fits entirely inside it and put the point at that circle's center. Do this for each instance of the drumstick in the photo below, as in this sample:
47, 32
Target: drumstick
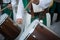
3, 8
24, 8
28, 5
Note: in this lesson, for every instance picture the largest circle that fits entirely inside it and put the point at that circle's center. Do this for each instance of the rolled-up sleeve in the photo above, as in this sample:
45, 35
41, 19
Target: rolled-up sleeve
20, 10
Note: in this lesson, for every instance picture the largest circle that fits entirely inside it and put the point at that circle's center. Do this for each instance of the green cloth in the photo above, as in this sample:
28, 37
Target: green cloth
52, 9
10, 13
55, 8
25, 3
44, 19
35, 17
7, 11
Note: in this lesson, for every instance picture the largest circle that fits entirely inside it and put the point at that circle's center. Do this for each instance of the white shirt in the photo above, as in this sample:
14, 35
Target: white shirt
6, 1
43, 4
20, 10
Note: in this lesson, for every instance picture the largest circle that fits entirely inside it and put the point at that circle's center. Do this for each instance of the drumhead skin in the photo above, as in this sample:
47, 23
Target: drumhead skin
3, 18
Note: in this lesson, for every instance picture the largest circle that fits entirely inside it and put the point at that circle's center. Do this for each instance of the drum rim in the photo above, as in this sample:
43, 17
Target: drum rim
31, 28
3, 18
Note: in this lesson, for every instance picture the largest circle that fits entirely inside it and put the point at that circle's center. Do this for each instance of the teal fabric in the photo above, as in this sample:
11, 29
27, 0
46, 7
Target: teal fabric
52, 9
36, 17
56, 6
45, 21
25, 3
7, 11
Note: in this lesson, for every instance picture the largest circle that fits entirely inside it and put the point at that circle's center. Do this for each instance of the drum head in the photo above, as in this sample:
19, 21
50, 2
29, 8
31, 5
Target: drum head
3, 18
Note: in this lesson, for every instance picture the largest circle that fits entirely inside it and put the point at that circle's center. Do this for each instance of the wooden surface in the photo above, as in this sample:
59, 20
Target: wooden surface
40, 33
9, 30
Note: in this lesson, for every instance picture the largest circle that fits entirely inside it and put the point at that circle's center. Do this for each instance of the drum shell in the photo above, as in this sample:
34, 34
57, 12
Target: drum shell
9, 30
41, 33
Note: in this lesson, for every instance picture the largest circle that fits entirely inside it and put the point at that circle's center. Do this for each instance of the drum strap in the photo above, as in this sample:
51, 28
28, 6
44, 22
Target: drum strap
32, 12
29, 5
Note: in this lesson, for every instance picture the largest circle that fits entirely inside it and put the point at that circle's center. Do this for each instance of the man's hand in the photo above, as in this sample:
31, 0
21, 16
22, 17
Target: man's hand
35, 1
9, 6
19, 21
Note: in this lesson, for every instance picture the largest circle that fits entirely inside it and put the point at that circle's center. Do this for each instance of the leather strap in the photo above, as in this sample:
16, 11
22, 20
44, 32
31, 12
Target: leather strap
32, 12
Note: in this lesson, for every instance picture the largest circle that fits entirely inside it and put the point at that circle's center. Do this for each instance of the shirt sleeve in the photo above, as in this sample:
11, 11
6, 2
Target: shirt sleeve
44, 3
20, 10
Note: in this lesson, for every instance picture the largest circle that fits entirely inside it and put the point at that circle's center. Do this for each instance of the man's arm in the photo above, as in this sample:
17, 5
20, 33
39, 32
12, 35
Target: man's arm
51, 3
45, 4
20, 12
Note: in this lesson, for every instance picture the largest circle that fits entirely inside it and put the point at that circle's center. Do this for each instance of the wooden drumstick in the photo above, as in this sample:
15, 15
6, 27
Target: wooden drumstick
3, 8
28, 5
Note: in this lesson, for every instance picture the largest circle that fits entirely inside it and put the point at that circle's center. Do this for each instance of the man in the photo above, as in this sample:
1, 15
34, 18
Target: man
55, 8
8, 10
42, 3
20, 10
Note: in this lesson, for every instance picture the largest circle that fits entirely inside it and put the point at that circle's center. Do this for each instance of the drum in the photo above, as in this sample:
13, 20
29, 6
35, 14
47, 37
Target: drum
7, 27
42, 33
